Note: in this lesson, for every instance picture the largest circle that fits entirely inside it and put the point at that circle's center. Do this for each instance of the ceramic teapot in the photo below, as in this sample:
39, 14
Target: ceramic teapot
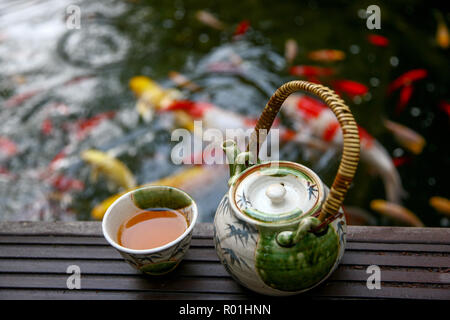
279, 230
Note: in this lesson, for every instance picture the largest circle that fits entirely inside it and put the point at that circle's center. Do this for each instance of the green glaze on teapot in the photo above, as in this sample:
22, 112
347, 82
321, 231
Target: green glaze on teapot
263, 227
297, 267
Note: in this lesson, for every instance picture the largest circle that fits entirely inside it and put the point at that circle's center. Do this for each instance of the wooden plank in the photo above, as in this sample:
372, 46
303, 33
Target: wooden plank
80, 240
221, 286
198, 254
209, 270
208, 243
205, 230
346, 273
75, 228
100, 267
43, 294
399, 260
399, 234
139, 282
360, 290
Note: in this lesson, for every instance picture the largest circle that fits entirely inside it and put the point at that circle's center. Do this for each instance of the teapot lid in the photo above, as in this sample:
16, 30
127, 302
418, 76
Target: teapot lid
276, 192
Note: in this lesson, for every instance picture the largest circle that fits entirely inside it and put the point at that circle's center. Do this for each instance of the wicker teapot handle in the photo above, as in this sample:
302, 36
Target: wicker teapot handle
350, 154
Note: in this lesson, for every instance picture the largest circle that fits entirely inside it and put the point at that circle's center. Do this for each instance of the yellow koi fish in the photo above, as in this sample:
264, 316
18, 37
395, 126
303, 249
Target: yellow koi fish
442, 34
112, 168
151, 96
397, 212
441, 204
187, 179
408, 138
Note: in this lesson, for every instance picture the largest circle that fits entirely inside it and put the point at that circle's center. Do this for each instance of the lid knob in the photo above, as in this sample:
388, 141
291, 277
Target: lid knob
276, 192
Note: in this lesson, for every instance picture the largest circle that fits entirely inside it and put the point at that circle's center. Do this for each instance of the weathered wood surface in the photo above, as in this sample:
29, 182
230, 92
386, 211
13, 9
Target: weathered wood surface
34, 256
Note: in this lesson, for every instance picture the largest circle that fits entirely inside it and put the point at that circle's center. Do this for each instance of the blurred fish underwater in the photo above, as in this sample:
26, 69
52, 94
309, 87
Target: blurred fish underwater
87, 113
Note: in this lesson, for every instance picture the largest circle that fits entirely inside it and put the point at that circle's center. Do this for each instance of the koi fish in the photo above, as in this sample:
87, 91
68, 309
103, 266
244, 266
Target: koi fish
405, 95
209, 19
113, 169
8, 148
358, 217
151, 96
399, 161
64, 184
378, 40
311, 71
242, 28
396, 212
445, 106
351, 88
20, 98
407, 78
183, 82
326, 55
47, 127
315, 117
441, 204
442, 34
290, 51
408, 138
187, 179
84, 126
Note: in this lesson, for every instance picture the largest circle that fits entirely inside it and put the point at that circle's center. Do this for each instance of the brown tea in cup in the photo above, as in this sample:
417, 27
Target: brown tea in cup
152, 228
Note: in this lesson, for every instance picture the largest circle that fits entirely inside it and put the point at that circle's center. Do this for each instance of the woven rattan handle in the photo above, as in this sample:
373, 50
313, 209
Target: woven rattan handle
350, 154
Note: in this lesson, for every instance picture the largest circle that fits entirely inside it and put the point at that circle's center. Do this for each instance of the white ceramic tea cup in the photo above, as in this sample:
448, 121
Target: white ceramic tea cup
163, 259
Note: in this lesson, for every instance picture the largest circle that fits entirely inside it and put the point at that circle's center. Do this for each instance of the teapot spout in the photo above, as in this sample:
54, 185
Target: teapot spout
237, 160
231, 151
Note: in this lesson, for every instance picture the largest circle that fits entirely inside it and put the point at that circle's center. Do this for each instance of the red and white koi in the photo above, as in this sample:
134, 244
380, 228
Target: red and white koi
315, 117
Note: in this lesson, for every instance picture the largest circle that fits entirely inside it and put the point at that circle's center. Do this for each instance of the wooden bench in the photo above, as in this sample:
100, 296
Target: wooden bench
34, 257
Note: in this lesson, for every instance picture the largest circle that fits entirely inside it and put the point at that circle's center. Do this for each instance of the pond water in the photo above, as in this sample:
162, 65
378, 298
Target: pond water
64, 90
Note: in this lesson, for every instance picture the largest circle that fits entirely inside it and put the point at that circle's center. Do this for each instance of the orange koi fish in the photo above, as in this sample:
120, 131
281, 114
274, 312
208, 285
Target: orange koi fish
441, 204
396, 212
326, 55
351, 88
407, 137
442, 34
378, 40
290, 51
209, 19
